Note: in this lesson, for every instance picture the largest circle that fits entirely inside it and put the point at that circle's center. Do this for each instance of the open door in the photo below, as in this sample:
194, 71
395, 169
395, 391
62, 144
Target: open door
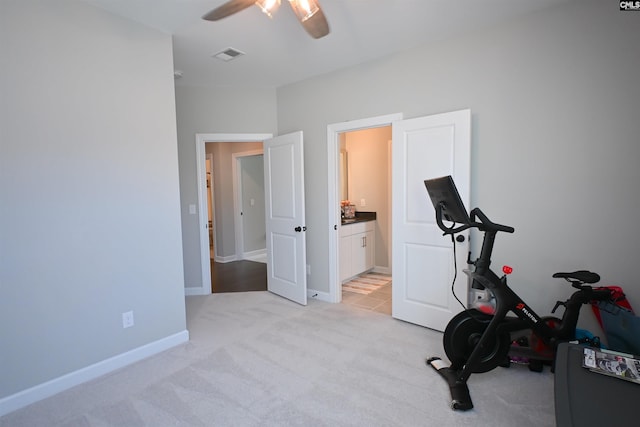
285, 217
423, 269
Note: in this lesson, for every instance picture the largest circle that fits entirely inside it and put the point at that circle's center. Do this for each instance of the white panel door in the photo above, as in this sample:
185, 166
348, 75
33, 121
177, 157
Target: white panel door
285, 217
423, 269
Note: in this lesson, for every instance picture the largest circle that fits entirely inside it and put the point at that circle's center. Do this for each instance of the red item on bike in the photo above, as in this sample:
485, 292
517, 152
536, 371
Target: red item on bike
617, 296
485, 308
538, 345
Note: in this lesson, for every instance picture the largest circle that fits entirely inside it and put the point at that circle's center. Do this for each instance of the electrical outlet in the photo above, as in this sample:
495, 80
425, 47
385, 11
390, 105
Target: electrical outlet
363, 202
127, 319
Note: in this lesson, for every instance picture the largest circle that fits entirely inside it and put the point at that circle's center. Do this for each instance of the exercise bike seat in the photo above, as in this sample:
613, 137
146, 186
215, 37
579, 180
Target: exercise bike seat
582, 276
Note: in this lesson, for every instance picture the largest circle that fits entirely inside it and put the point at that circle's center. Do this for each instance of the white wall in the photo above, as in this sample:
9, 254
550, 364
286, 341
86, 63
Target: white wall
555, 102
89, 210
213, 110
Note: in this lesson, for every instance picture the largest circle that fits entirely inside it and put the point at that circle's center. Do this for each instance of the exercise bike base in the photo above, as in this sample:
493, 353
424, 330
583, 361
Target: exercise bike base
460, 397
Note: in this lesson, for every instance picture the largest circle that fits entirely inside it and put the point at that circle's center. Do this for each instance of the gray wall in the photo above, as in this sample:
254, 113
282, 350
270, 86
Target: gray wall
253, 203
90, 219
219, 110
555, 102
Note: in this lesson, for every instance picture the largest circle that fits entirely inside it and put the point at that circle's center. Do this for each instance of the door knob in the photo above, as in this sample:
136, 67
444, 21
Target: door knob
298, 229
460, 238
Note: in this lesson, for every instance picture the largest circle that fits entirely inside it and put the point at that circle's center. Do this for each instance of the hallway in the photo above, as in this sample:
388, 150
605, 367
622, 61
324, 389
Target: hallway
238, 276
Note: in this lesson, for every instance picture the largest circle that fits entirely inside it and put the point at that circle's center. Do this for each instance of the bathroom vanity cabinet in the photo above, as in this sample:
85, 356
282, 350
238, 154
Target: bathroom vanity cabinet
357, 250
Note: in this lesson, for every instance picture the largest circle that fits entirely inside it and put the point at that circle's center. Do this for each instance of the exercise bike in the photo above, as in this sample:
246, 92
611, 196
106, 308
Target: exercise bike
476, 341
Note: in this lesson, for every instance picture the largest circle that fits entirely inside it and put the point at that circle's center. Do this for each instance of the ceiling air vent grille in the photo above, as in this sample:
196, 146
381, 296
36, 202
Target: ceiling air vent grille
228, 54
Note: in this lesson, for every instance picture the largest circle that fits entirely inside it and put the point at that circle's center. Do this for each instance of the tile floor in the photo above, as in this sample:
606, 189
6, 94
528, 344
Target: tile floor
378, 300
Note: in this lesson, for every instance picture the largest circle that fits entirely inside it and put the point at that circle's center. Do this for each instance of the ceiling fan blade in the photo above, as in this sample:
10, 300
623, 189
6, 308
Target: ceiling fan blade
227, 9
317, 26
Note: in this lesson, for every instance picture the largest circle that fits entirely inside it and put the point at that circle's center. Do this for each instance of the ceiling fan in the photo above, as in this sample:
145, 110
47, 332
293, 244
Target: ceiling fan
308, 13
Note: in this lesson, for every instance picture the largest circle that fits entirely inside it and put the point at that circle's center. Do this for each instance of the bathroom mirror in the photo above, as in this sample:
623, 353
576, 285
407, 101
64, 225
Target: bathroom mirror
344, 184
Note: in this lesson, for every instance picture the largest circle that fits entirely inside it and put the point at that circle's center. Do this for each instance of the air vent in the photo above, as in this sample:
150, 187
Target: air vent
228, 54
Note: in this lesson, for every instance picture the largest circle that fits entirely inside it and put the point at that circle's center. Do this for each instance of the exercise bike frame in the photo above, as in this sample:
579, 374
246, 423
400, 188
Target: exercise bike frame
506, 300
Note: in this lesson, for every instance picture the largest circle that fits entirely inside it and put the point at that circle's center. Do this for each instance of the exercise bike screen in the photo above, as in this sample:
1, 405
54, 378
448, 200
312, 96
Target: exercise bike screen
443, 192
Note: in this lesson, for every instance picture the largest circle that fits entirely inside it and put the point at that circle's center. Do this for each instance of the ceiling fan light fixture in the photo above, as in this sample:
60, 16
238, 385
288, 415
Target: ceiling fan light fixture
304, 9
308, 13
268, 6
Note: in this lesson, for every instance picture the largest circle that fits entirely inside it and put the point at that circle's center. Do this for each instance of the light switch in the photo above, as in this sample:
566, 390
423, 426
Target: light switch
192, 209
363, 202
253, 202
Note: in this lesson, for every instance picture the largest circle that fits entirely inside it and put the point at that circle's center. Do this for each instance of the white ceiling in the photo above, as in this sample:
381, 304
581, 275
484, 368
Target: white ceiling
279, 51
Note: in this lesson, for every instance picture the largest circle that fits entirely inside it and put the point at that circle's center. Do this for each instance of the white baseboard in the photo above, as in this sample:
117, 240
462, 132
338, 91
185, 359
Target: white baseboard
382, 270
260, 255
322, 296
223, 259
191, 291
57, 385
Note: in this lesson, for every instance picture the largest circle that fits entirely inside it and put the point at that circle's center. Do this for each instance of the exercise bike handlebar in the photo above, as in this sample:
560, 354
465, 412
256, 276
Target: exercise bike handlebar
485, 223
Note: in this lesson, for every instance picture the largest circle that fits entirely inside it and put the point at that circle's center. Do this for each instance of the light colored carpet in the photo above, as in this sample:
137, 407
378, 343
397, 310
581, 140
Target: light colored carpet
366, 283
255, 359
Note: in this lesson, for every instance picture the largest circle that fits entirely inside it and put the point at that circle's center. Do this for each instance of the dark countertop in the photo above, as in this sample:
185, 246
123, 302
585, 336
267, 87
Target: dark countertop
361, 216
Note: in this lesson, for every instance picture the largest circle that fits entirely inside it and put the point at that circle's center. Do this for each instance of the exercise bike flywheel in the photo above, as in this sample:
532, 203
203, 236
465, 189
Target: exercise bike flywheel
463, 333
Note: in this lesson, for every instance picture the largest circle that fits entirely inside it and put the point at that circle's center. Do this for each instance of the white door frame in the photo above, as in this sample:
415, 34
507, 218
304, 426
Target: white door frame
236, 172
211, 193
333, 150
203, 218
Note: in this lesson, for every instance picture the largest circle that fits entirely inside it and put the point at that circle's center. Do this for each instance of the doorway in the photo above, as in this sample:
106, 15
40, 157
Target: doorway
210, 208
223, 237
284, 202
249, 205
365, 183
239, 263
423, 148
238, 276
337, 135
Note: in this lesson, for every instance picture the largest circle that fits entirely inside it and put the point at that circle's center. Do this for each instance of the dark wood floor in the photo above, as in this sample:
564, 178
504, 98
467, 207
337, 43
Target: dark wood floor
238, 276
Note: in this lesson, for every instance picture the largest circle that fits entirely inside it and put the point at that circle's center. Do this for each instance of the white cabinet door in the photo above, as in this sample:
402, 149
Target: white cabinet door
358, 253
362, 252
369, 248
357, 250
345, 258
